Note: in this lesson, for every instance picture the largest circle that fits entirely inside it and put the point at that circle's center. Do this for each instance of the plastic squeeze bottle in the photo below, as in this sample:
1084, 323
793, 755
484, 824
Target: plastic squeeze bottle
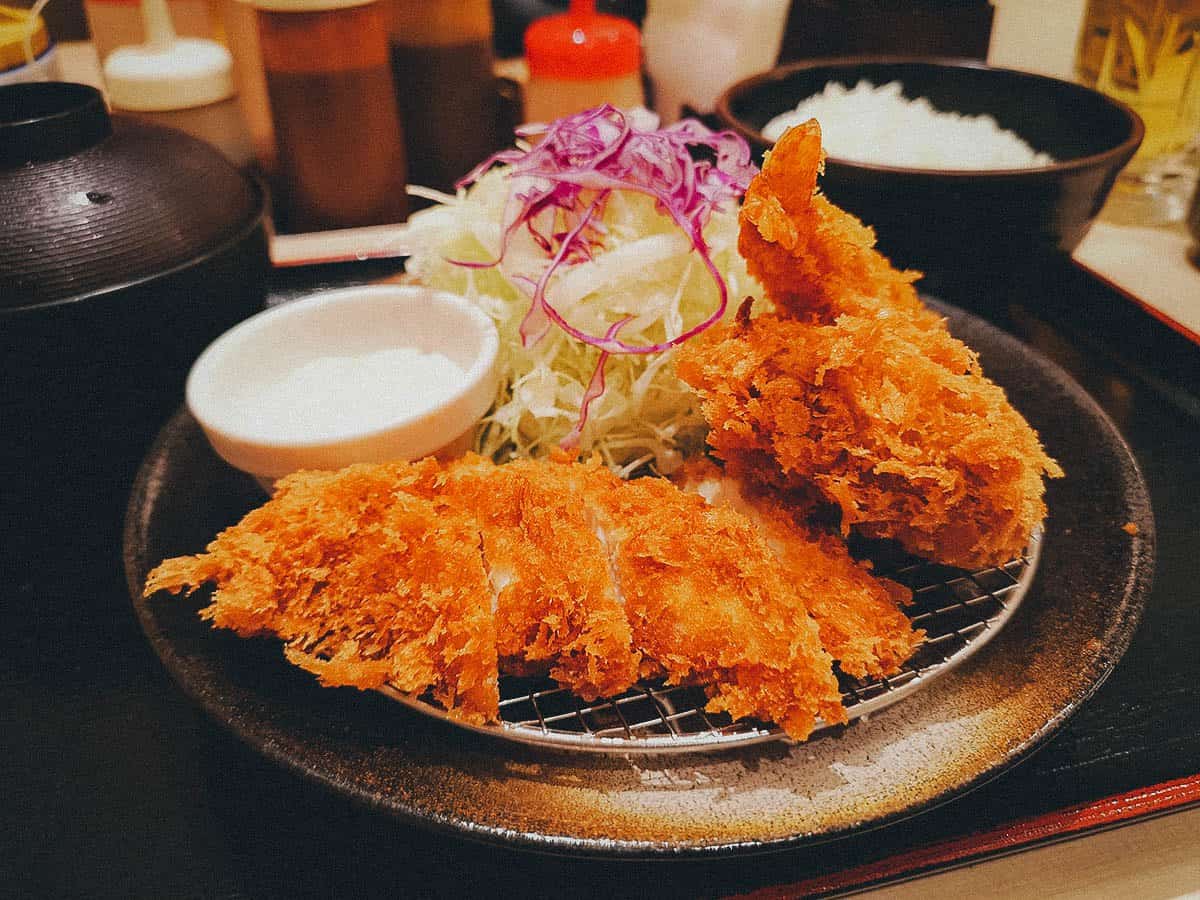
697, 48
184, 83
115, 23
239, 22
580, 59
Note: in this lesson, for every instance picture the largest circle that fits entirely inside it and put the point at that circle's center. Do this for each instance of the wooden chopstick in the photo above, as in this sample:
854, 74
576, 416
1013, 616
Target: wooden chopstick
339, 245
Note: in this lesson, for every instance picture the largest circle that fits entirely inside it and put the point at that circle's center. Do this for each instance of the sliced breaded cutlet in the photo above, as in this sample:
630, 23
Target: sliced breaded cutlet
708, 603
860, 616
556, 606
365, 583
432, 577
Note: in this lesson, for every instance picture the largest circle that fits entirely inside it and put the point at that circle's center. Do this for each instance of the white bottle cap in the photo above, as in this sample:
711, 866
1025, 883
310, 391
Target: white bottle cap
167, 72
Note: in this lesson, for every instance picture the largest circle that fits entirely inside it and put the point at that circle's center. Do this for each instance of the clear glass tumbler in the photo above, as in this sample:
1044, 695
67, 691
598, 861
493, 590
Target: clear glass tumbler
1147, 54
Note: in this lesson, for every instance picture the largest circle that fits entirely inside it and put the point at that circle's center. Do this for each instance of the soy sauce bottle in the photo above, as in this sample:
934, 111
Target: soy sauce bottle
441, 56
341, 160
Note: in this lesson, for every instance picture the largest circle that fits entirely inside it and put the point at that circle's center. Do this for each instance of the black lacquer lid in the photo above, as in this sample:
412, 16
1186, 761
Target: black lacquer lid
93, 205
49, 121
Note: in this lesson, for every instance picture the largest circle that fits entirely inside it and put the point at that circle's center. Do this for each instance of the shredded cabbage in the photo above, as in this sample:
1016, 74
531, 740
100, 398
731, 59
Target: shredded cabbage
596, 251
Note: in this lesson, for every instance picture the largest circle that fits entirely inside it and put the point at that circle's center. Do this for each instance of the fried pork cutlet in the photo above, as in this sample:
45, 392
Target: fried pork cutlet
709, 604
428, 577
556, 606
860, 616
365, 583
854, 394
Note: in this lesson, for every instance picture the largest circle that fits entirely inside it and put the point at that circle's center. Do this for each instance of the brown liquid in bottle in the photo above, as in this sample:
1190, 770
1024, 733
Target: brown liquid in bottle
450, 106
341, 151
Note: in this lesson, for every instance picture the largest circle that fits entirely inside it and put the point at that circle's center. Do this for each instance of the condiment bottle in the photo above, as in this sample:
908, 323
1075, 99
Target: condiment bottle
184, 83
239, 22
26, 51
696, 48
580, 59
114, 23
340, 147
441, 54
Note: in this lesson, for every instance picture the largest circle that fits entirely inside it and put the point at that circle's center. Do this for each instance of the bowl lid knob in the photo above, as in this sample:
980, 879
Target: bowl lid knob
49, 120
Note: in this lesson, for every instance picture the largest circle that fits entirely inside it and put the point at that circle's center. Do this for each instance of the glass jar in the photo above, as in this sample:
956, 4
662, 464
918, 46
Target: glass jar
1146, 54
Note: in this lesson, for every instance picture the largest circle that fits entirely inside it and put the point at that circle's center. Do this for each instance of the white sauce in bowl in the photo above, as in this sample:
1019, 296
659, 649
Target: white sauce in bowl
347, 394
366, 374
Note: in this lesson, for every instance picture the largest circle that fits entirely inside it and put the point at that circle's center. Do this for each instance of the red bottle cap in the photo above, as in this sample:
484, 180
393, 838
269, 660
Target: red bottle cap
582, 45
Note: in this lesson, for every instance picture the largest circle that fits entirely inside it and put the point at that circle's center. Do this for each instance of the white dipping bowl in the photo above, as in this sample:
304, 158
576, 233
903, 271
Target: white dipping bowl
346, 322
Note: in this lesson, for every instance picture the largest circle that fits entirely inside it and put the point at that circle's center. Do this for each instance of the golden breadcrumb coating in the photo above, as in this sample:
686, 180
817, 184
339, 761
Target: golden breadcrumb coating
814, 259
365, 584
427, 576
860, 616
853, 393
907, 449
707, 602
556, 604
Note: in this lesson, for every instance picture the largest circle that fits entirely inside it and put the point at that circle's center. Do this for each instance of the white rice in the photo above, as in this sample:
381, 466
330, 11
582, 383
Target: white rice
880, 126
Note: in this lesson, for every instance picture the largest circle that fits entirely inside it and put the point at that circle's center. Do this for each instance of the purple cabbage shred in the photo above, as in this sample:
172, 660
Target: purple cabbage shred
563, 182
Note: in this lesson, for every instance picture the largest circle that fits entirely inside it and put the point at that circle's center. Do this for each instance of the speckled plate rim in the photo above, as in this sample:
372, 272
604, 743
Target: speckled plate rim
1126, 598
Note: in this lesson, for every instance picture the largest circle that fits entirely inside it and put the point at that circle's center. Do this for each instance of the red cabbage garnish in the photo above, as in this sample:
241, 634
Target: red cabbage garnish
561, 185
595, 389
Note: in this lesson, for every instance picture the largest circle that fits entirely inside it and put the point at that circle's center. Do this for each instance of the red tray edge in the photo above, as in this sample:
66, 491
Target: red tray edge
1023, 834
1142, 304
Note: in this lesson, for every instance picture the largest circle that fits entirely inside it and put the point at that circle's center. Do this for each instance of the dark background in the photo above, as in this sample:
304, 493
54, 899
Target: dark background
814, 27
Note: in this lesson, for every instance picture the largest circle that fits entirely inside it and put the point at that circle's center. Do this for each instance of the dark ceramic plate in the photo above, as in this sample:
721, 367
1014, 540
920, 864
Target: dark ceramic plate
963, 729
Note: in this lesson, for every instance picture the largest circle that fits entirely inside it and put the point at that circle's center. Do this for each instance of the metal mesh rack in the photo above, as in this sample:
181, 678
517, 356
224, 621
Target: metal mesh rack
959, 611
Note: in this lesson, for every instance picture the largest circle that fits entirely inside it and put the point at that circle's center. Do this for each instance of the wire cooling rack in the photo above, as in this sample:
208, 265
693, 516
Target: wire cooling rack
960, 611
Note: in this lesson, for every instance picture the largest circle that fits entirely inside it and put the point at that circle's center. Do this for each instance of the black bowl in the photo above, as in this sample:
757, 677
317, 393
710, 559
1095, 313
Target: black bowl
124, 250
939, 219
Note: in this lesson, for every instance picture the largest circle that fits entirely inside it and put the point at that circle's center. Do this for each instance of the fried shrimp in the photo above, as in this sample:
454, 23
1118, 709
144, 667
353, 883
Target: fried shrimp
815, 260
852, 394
